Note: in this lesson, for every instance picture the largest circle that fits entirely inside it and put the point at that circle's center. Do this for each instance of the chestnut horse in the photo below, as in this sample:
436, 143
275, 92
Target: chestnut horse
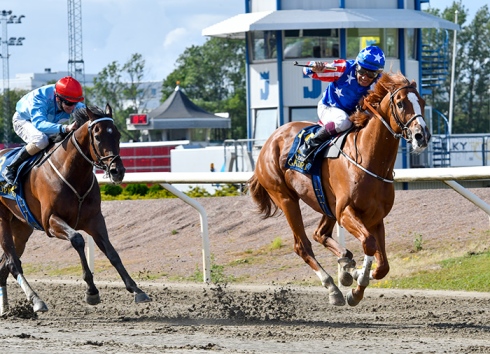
358, 185
63, 196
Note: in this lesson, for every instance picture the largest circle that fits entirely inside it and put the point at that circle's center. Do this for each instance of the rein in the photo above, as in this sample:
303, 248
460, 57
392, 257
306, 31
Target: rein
99, 164
404, 128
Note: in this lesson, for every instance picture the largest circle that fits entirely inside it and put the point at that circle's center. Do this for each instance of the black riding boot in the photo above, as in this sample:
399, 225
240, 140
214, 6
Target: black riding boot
315, 141
10, 171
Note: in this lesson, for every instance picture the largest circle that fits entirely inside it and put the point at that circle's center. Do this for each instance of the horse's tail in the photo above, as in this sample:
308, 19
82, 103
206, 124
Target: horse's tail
260, 196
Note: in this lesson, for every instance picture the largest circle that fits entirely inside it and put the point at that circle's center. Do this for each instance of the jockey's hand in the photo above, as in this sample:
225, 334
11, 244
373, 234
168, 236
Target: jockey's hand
318, 67
71, 127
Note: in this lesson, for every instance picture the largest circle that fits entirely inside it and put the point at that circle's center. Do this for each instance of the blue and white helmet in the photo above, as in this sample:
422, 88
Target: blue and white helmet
371, 58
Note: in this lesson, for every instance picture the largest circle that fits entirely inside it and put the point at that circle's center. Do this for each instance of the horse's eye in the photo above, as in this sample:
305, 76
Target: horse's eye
400, 105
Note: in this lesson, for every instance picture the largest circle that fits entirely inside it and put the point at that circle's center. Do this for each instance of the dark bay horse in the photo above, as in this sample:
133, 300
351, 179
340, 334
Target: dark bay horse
358, 185
63, 195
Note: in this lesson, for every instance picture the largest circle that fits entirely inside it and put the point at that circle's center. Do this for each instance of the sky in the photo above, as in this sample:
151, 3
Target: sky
113, 30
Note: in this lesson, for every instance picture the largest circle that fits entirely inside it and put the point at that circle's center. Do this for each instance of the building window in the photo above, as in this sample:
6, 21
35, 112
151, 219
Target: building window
315, 43
265, 124
411, 43
263, 45
385, 38
301, 114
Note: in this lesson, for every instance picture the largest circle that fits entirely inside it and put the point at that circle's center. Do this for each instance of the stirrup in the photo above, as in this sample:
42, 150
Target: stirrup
8, 179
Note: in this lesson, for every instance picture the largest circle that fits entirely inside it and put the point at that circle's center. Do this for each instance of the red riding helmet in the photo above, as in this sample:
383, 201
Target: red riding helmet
69, 89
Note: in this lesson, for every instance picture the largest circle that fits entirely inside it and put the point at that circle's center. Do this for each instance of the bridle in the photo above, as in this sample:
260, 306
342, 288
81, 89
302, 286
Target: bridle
99, 163
100, 159
405, 131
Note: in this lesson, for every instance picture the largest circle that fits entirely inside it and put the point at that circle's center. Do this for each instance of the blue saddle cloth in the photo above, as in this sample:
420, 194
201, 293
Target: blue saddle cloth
296, 162
17, 193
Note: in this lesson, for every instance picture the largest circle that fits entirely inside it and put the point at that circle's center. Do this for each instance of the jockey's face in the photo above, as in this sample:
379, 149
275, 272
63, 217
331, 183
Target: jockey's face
365, 77
67, 106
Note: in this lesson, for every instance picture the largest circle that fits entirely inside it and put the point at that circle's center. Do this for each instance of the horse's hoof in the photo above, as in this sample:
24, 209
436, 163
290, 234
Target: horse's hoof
346, 278
92, 299
346, 263
351, 300
336, 298
39, 306
141, 297
4, 310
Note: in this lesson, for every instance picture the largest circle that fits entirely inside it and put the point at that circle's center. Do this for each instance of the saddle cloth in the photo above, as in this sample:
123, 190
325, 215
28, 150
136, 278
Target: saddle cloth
17, 193
329, 149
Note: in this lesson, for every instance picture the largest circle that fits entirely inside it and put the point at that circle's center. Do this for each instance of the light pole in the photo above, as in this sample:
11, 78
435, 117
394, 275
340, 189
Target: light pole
7, 18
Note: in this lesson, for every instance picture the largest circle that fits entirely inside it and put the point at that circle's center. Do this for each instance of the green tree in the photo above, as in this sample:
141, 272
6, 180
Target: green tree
471, 110
119, 85
472, 87
213, 76
13, 97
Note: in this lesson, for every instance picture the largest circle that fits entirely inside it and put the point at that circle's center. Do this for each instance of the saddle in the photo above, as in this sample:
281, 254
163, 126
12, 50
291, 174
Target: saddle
329, 149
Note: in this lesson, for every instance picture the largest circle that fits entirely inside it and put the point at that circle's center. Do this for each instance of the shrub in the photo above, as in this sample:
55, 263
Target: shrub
136, 189
111, 189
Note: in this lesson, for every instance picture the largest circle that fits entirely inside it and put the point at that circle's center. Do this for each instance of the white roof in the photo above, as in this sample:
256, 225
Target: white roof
237, 26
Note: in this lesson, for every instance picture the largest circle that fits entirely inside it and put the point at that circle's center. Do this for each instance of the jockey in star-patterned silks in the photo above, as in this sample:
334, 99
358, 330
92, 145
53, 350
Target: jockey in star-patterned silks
348, 84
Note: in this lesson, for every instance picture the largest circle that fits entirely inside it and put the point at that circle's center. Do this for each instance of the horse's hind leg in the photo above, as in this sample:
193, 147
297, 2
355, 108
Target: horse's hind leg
302, 247
323, 235
4, 273
10, 262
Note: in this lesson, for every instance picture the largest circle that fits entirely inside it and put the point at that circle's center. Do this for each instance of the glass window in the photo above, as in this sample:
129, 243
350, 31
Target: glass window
265, 124
304, 114
359, 38
264, 45
411, 43
316, 43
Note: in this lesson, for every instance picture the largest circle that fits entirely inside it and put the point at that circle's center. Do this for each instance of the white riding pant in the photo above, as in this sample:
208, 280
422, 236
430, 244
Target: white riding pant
27, 132
338, 117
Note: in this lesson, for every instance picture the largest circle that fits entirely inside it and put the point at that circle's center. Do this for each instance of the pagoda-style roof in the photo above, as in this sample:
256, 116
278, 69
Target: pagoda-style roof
179, 112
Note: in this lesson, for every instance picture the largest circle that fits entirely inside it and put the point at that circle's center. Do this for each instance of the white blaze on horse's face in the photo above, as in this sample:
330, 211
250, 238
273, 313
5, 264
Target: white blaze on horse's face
109, 130
414, 100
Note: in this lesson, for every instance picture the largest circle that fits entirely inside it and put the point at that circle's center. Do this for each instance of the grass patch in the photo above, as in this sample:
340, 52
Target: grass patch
467, 273
276, 244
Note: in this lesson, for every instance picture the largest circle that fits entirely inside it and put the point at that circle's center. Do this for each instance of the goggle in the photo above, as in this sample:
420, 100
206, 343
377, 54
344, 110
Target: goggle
68, 103
369, 73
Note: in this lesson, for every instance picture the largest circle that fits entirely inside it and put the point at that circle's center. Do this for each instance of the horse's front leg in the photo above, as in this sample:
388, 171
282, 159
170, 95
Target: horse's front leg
62, 230
373, 244
323, 235
98, 231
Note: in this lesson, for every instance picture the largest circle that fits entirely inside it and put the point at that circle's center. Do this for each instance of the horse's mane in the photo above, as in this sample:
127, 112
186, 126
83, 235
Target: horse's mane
388, 82
80, 115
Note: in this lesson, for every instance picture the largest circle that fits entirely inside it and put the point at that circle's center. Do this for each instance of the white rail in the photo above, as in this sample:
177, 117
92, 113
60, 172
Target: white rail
165, 179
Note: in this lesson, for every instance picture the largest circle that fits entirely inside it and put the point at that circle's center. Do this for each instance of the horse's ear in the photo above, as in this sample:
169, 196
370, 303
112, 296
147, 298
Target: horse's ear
90, 114
108, 110
414, 84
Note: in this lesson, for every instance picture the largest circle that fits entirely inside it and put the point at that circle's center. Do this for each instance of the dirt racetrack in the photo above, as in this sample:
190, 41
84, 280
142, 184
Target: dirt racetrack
213, 319
265, 313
